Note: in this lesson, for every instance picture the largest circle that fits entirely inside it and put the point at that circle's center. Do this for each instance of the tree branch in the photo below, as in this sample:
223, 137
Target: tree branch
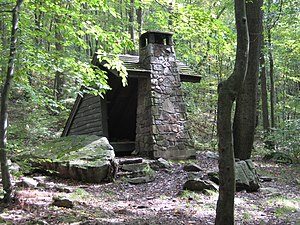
6, 11
221, 12
6, 183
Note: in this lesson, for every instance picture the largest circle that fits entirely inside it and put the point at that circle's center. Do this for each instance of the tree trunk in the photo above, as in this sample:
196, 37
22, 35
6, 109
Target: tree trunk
171, 16
271, 74
59, 76
4, 40
139, 18
264, 93
246, 104
7, 187
131, 25
227, 93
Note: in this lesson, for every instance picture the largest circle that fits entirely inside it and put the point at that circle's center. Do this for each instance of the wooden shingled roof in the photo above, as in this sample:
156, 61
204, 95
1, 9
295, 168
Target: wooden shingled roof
135, 69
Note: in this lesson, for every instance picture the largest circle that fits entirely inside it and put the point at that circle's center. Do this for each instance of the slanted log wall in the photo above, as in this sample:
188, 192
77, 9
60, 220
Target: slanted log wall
88, 118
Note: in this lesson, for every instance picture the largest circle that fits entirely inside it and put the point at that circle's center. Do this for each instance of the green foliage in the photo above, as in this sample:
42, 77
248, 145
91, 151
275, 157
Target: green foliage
286, 138
80, 195
31, 125
75, 26
148, 171
201, 101
61, 36
190, 195
284, 206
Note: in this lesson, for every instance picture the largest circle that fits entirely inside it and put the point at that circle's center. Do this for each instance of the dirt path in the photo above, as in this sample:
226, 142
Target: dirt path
158, 202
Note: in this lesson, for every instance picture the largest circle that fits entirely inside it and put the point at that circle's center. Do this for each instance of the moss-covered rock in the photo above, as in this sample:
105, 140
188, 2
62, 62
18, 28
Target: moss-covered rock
85, 158
246, 176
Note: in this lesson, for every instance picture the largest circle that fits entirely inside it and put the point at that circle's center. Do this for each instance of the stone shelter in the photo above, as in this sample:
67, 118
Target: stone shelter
147, 116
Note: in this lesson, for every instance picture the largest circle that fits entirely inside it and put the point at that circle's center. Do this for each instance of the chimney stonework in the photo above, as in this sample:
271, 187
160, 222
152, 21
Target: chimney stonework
162, 127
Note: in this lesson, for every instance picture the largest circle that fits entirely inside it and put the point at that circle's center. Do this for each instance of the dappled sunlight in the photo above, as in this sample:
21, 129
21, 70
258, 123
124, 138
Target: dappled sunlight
293, 203
162, 200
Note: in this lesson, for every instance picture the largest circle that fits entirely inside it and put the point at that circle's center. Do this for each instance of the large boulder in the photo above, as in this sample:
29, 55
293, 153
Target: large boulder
246, 176
85, 158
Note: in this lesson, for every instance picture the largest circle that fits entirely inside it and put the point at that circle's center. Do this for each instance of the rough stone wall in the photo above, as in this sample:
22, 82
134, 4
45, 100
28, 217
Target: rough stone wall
169, 126
144, 140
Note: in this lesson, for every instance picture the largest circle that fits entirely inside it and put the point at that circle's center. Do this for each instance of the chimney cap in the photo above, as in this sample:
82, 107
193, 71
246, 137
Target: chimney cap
158, 32
156, 37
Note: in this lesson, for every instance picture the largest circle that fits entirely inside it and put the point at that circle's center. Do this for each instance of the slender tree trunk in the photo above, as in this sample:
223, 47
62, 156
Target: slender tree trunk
59, 76
171, 15
7, 187
131, 25
88, 39
271, 75
4, 41
246, 103
227, 93
139, 17
264, 93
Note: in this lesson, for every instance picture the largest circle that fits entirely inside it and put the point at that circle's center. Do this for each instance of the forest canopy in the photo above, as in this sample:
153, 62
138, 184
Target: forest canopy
57, 40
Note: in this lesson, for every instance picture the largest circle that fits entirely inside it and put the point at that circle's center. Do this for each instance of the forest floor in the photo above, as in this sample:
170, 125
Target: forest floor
159, 202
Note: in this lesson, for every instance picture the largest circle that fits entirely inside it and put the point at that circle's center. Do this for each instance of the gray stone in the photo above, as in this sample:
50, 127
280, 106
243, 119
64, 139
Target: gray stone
270, 191
194, 175
200, 185
162, 163
212, 155
134, 167
63, 188
85, 158
246, 176
13, 167
38, 222
41, 179
214, 176
141, 180
62, 202
191, 167
27, 182
130, 160
159, 164
266, 179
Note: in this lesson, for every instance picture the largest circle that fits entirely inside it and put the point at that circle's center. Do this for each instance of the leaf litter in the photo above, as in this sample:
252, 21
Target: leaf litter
159, 202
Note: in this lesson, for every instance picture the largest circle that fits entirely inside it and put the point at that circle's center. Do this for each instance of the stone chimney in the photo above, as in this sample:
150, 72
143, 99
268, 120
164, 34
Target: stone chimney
162, 127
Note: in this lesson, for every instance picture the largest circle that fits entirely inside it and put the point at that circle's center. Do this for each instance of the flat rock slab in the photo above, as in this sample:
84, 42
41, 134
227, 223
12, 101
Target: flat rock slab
200, 185
141, 180
136, 167
123, 161
62, 202
85, 158
191, 167
27, 182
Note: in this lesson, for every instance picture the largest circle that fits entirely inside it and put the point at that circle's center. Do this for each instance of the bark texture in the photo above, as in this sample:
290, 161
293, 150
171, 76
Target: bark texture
245, 114
139, 18
131, 26
271, 74
227, 93
7, 187
264, 93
